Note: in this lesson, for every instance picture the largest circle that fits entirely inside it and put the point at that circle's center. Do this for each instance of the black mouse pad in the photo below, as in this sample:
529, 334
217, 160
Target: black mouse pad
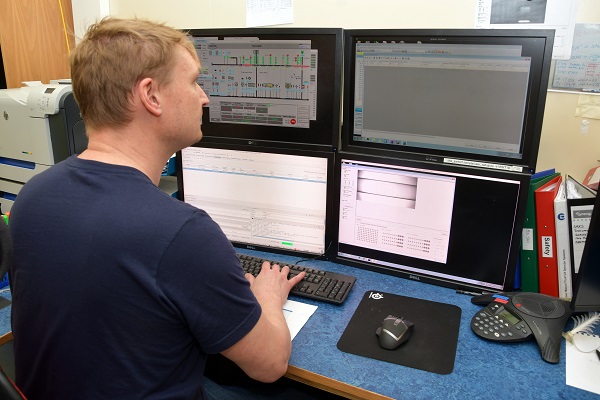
432, 345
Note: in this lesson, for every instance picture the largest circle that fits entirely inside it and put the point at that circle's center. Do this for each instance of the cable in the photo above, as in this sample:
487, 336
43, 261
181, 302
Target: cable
62, 15
316, 257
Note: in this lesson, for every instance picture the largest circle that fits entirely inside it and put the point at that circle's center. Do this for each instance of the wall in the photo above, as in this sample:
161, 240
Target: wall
307, 13
562, 144
86, 12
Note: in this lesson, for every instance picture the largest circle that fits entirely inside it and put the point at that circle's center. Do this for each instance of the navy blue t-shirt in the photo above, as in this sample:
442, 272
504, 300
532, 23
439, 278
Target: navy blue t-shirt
119, 290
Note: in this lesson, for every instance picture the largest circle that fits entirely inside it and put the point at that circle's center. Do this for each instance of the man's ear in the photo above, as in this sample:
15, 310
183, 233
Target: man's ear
149, 96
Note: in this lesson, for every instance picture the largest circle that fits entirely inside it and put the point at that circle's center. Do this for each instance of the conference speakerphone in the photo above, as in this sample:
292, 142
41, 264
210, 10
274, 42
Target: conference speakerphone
514, 317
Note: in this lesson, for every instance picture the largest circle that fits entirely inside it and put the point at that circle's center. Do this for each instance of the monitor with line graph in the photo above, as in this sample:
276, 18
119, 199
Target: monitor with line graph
263, 198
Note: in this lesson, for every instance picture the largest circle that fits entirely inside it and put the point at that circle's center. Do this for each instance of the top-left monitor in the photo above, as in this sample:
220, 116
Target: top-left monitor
271, 86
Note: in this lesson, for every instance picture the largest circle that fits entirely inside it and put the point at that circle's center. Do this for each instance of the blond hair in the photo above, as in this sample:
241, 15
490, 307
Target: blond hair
114, 55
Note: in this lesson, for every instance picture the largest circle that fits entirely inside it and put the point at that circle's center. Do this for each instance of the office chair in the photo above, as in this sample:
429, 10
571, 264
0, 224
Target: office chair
8, 389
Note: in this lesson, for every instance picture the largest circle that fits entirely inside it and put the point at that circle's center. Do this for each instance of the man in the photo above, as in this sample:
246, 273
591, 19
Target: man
119, 290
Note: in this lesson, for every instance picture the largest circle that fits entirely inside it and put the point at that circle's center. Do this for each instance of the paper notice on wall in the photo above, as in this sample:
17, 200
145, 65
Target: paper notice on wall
536, 14
269, 12
588, 106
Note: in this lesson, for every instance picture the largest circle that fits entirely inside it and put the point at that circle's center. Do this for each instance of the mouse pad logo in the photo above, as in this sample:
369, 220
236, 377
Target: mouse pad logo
375, 296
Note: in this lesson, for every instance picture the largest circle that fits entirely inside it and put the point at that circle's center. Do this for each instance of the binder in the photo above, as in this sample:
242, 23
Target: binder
592, 178
546, 236
517, 281
580, 204
563, 244
528, 254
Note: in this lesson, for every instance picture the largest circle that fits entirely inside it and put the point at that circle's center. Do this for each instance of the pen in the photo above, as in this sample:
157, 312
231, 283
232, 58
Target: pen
598, 353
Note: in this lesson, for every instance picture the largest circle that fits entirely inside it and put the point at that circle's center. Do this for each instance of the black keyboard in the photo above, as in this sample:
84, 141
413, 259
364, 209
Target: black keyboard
317, 284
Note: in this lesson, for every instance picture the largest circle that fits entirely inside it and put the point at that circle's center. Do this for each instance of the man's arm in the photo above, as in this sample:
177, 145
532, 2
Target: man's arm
263, 354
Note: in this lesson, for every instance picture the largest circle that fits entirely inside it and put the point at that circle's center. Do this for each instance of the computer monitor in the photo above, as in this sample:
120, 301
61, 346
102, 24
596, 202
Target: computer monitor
472, 97
442, 224
586, 291
263, 198
272, 86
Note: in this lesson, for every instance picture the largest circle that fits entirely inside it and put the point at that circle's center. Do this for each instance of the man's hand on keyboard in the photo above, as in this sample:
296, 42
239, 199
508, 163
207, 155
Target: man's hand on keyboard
316, 284
272, 283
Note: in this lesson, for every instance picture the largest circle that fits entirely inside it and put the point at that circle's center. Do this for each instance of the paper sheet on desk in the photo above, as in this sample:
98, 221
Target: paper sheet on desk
296, 315
583, 369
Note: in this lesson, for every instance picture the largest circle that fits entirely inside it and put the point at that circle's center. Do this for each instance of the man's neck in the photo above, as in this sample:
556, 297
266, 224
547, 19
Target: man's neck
113, 148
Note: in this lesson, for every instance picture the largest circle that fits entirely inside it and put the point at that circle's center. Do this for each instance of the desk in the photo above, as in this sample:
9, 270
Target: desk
482, 369
5, 332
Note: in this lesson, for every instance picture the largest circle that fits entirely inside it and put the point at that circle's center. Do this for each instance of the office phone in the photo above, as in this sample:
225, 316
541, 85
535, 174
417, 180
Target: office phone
519, 316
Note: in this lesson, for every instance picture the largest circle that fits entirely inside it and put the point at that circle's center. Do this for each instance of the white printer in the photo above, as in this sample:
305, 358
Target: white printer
40, 125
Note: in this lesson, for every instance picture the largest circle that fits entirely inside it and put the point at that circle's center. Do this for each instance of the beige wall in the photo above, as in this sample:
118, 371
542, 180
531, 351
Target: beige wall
563, 145
307, 13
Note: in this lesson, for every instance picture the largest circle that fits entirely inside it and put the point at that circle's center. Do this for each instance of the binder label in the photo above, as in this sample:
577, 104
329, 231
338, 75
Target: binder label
547, 247
580, 223
527, 239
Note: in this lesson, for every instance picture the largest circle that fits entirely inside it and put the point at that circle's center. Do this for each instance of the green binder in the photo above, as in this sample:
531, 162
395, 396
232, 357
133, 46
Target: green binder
529, 256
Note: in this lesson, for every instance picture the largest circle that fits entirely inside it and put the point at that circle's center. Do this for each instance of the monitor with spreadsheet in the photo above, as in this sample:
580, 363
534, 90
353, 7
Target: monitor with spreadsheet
274, 86
442, 224
263, 198
473, 97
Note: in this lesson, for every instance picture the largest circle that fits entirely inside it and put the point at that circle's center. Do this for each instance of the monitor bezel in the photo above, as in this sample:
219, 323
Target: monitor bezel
329, 155
536, 98
514, 251
328, 139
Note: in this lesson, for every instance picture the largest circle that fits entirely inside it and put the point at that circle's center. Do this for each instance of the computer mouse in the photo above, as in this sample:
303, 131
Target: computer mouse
394, 331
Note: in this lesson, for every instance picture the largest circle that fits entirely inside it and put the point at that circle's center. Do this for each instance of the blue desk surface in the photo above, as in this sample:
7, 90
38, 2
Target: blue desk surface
482, 369
5, 315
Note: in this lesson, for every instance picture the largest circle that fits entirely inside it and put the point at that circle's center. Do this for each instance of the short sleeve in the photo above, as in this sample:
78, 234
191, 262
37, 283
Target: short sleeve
200, 279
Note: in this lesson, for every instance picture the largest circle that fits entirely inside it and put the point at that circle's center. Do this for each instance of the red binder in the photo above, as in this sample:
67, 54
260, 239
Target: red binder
546, 237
